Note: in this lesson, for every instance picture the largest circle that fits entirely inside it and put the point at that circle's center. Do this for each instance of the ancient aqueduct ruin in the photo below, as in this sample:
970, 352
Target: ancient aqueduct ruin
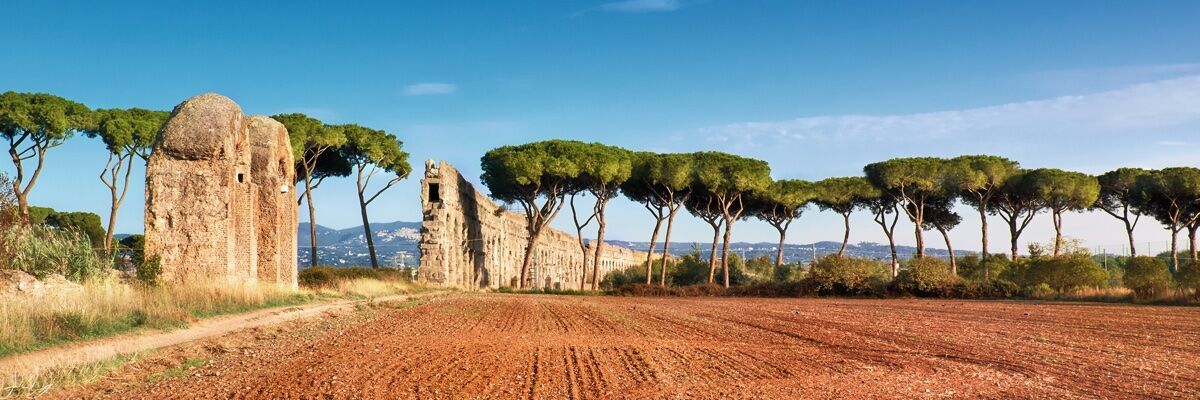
219, 206
467, 241
218, 196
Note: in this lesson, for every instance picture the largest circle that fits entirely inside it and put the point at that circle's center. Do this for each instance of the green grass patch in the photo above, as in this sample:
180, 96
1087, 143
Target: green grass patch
178, 370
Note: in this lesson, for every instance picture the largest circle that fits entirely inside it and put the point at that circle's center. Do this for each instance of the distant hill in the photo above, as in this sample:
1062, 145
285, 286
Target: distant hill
396, 245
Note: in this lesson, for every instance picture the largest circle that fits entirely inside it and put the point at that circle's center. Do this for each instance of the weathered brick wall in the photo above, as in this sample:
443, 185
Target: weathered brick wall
203, 215
272, 170
468, 241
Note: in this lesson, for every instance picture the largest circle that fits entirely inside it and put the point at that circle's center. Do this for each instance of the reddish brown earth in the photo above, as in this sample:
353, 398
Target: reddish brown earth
522, 346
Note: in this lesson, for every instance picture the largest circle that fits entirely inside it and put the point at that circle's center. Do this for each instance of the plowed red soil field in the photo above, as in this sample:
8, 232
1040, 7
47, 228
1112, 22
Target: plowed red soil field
524, 346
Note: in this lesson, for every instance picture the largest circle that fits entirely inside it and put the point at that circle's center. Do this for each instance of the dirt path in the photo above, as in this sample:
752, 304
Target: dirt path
519, 346
23, 366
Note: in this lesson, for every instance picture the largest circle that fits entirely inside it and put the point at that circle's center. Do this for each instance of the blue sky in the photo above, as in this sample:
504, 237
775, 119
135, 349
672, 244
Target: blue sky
816, 88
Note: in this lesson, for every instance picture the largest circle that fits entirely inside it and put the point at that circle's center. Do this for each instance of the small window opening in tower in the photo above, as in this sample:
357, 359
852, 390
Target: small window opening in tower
435, 195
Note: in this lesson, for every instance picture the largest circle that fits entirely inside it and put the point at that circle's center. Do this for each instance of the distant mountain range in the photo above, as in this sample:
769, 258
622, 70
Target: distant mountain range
396, 246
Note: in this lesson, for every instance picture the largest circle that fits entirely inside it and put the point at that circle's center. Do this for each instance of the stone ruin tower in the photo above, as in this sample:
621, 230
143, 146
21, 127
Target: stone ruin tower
213, 193
272, 170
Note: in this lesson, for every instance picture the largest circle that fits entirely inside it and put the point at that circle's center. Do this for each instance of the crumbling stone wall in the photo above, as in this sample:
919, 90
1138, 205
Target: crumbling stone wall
203, 201
468, 241
272, 169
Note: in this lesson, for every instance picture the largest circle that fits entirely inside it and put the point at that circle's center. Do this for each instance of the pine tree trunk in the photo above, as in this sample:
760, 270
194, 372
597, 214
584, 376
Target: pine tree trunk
712, 260
362, 207
530, 246
983, 230
599, 243
312, 221
1129, 232
662, 280
950, 249
895, 257
725, 251
1174, 250
779, 251
1013, 235
920, 238
845, 235
650, 252
1192, 240
1057, 217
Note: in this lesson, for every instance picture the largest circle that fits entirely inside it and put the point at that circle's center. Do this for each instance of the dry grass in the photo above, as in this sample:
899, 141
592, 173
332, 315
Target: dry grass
365, 288
53, 378
106, 307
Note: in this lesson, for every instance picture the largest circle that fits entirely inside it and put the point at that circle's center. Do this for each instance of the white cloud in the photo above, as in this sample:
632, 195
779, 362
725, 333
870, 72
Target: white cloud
1073, 80
430, 88
1171, 143
642, 6
1137, 108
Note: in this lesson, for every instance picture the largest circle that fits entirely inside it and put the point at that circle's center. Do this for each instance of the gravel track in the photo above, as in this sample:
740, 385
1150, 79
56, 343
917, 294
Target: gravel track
523, 346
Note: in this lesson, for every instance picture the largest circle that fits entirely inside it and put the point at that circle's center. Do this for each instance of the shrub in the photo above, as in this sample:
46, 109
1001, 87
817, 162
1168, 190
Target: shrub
632, 275
926, 276
41, 251
691, 269
149, 271
642, 289
990, 289
1039, 291
323, 277
1147, 276
757, 269
1188, 277
848, 276
971, 266
763, 289
1062, 274
790, 273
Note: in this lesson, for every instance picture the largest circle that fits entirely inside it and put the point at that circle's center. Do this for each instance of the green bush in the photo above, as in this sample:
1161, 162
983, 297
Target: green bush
149, 271
325, 277
41, 251
926, 276
1148, 277
688, 270
762, 289
848, 276
631, 275
1062, 274
790, 273
1188, 277
971, 266
758, 269
994, 288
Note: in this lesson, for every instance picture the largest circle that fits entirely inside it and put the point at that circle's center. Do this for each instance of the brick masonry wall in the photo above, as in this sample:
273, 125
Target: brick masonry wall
470, 242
